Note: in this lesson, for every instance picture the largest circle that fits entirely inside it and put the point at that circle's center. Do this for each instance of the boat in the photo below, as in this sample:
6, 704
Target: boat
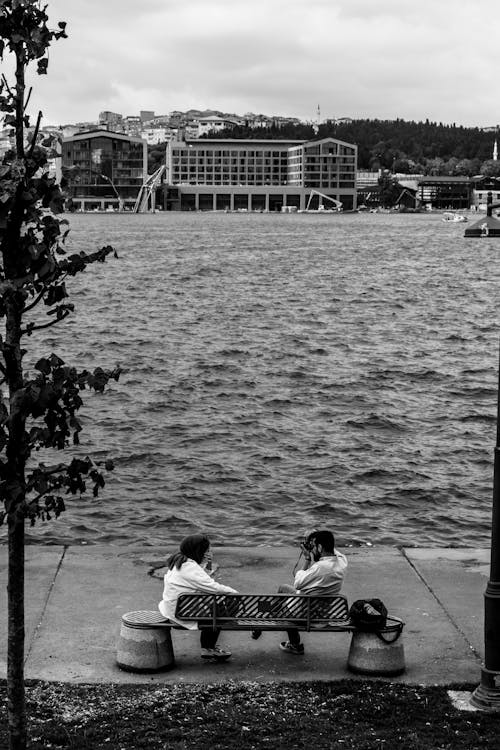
452, 216
337, 205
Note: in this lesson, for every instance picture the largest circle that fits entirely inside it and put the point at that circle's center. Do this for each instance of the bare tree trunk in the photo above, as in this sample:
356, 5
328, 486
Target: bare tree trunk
15, 658
15, 475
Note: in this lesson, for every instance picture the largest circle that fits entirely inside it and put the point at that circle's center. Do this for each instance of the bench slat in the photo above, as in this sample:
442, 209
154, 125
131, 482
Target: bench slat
276, 610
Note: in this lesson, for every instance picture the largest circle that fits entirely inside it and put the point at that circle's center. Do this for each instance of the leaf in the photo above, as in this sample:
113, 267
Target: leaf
43, 366
42, 66
56, 361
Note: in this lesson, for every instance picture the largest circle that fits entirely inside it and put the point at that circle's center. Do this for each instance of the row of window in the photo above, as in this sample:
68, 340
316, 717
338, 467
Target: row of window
103, 143
228, 153
334, 184
226, 161
84, 162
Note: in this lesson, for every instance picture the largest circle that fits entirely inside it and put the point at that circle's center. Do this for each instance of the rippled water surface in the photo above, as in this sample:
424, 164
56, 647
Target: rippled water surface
285, 371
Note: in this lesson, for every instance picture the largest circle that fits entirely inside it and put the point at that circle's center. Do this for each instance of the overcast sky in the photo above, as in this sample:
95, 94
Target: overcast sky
436, 59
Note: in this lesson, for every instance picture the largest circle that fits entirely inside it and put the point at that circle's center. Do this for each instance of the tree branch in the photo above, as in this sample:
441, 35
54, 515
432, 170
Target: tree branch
28, 98
35, 132
29, 331
36, 301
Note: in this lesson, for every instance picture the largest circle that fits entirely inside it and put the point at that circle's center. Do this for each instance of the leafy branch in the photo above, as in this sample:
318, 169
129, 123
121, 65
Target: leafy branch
37, 412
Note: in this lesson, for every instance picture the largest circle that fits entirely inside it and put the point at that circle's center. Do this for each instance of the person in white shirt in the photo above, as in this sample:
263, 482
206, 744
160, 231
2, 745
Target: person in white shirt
323, 577
187, 574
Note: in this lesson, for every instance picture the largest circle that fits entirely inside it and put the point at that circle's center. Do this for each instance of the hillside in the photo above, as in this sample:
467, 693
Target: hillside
399, 145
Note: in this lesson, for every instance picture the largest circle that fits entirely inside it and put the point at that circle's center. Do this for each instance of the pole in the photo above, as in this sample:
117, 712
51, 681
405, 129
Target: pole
487, 695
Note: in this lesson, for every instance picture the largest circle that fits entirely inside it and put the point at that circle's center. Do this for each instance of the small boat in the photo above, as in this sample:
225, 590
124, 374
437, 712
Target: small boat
451, 216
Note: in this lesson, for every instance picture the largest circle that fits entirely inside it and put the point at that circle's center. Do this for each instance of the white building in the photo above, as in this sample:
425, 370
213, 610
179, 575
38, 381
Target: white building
213, 123
264, 175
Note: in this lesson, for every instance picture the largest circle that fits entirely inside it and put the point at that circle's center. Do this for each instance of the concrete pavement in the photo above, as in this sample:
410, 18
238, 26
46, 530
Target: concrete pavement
75, 597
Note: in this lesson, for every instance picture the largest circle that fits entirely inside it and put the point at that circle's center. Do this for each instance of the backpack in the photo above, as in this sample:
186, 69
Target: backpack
368, 614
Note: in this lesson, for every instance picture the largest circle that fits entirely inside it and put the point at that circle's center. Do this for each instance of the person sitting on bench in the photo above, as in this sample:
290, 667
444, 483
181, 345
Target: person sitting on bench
187, 574
323, 577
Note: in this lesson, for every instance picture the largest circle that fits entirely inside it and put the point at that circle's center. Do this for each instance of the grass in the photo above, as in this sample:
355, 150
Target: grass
344, 715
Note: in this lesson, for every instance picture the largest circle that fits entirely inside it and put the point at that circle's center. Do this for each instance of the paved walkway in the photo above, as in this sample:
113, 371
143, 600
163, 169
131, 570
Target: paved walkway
75, 597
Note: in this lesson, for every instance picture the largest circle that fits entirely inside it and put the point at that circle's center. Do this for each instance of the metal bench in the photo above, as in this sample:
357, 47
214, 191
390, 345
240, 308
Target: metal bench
265, 611
145, 642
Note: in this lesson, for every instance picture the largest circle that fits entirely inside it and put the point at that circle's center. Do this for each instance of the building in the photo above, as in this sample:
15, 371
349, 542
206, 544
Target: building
482, 187
213, 123
132, 125
111, 121
103, 170
444, 192
258, 175
155, 135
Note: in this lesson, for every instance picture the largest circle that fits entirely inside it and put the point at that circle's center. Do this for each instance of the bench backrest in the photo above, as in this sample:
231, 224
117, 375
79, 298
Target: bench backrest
220, 609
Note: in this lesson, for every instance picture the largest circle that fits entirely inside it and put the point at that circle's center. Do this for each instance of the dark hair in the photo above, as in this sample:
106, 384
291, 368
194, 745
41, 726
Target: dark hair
326, 539
191, 548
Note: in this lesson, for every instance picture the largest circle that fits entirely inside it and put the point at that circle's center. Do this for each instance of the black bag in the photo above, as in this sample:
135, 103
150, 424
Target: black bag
368, 614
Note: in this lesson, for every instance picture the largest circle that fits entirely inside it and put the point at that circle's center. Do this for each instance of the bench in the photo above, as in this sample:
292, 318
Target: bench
145, 643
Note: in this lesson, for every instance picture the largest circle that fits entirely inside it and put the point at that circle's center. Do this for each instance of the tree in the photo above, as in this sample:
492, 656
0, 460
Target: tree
389, 189
37, 412
491, 168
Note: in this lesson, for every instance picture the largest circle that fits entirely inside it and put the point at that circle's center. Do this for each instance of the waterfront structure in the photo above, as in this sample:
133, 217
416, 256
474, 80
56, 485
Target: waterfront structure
103, 170
258, 175
444, 192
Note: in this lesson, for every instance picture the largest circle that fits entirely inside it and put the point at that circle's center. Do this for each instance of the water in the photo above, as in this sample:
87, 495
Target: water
285, 371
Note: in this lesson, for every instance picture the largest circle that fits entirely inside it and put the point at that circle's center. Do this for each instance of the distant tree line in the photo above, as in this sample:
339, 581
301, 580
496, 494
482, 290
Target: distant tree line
398, 145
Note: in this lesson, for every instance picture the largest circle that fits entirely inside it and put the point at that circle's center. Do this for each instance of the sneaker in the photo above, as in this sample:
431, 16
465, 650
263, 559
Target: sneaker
215, 653
291, 648
256, 633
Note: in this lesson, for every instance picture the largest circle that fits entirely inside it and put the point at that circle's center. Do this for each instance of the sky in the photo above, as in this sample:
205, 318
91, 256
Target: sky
435, 59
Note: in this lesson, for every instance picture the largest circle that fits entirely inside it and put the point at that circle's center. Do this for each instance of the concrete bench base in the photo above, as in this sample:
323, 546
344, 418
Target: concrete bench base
145, 643
369, 654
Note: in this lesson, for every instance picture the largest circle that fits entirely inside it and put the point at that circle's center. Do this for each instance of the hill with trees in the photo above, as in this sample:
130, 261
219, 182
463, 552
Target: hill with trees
398, 145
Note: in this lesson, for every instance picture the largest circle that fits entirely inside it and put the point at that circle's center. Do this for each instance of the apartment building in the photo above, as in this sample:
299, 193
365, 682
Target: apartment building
259, 175
104, 170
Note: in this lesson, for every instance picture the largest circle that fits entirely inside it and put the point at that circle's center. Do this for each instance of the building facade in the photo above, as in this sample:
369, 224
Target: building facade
444, 192
103, 170
258, 175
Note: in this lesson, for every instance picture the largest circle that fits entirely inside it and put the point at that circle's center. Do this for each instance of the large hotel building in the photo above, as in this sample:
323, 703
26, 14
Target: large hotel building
107, 170
259, 175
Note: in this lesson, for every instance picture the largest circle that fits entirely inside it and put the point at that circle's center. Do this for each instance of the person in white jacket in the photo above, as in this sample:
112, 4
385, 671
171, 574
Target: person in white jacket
187, 574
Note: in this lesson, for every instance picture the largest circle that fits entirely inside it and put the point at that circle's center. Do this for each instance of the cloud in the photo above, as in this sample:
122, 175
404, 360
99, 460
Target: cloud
354, 57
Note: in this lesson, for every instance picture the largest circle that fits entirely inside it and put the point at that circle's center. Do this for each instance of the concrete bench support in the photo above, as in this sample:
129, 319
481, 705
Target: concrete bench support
370, 654
145, 643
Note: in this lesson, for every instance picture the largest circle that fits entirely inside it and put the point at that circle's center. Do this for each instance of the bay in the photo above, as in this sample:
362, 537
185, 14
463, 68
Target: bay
284, 372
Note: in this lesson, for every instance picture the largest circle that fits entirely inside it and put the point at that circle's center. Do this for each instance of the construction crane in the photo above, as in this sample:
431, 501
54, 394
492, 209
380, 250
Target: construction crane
321, 207
147, 194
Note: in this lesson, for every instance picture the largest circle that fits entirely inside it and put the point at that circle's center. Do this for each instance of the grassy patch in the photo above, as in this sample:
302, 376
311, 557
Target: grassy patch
345, 715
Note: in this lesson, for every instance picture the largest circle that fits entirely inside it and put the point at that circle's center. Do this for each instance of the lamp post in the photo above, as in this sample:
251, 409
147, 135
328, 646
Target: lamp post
487, 695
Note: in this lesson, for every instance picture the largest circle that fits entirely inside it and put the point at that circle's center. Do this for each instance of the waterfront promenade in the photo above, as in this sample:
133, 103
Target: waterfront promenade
75, 597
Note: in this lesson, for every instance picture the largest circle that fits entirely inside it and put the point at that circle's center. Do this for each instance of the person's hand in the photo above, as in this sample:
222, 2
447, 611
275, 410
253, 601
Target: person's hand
207, 560
306, 552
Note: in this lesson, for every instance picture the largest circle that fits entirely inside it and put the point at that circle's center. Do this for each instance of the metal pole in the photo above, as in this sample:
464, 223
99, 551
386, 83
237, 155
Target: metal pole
487, 695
